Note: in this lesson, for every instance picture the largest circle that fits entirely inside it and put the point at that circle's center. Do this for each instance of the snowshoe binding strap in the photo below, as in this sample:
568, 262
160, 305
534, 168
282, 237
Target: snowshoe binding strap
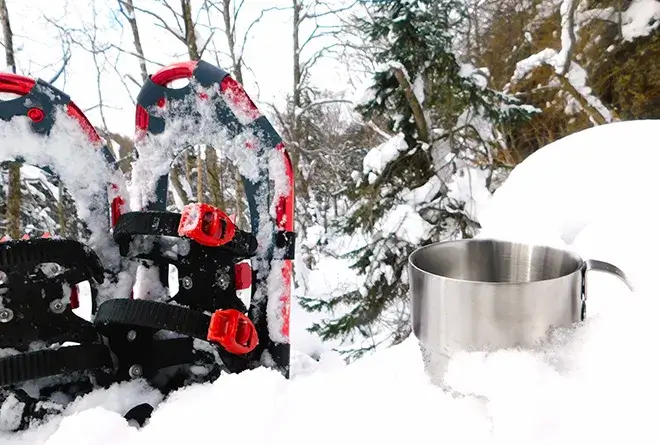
38, 280
208, 276
22, 367
237, 115
206, 286
228, 328
212, 228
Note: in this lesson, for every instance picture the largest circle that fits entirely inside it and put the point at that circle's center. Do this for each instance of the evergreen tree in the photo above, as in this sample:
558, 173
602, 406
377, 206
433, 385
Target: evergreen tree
445, 119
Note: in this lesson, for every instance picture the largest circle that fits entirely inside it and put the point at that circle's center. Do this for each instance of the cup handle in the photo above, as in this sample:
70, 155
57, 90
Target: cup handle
600, 266
603, 266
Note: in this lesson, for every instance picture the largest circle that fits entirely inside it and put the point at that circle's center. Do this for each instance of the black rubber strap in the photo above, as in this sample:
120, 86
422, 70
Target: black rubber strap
16, 253
154, 315
50, 362
147, 223
167, 224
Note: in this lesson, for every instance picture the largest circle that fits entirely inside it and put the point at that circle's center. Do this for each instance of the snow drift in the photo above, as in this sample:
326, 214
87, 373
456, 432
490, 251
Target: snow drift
593, 192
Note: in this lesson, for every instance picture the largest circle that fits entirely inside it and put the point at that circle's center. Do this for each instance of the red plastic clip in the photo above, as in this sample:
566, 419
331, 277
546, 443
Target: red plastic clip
233, 330
243, 275
206, 224
74, 299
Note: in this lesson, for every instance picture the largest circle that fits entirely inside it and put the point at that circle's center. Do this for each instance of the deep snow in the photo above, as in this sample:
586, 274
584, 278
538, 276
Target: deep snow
593, 192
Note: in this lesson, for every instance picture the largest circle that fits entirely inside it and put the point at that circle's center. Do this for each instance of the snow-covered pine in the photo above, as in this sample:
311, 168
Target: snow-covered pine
424, 183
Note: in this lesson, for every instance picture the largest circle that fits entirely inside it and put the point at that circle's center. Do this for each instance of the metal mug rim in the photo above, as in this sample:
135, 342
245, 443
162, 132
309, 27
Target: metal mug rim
580, 261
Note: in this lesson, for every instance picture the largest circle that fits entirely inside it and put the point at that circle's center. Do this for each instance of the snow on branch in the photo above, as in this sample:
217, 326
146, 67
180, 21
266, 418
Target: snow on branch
565, 54
379, 157
573, 81
640, 19
571, 76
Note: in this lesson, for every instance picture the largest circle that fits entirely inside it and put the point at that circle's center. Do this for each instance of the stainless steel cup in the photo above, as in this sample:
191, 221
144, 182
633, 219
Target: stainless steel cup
484, 295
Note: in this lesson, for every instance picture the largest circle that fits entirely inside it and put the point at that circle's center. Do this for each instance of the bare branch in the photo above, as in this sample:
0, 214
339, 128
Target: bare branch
101, 106
121, 78
315, 35
320, 102
201, 51
330, 11
65, 62
307, 65
136, 55
131, 78
175, 15
253, 23
237, 10
163, 24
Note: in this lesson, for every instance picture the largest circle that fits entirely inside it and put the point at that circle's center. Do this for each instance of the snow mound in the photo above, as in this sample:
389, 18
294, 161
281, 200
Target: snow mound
597, 382
602, 176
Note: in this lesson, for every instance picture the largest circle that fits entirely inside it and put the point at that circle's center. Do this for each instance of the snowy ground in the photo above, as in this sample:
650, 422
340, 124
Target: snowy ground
596, 193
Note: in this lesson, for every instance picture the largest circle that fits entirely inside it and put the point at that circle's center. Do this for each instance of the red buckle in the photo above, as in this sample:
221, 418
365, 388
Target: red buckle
243, 275
74, 299
206, 224
233, 330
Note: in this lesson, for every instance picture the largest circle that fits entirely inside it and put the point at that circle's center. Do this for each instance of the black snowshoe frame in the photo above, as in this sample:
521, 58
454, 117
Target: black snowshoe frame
131, 338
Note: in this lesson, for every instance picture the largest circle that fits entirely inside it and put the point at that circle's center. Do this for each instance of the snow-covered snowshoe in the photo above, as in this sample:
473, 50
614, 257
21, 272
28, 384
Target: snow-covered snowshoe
170, 340
39, 277
205, 322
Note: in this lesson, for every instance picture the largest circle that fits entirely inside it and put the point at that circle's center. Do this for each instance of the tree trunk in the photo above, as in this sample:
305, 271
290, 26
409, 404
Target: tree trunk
213, 176
14, 186
130, 16
191, 40
200, 176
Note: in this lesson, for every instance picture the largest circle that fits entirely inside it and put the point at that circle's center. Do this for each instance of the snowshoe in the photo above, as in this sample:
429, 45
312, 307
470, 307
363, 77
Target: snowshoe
170, 340
39, 278
204, 328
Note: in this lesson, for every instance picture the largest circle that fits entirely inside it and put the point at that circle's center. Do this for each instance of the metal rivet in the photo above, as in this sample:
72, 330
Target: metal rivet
57, 306
184, 247
6, 315
131, 335
3, 277
187, 283
223, 280
135, 371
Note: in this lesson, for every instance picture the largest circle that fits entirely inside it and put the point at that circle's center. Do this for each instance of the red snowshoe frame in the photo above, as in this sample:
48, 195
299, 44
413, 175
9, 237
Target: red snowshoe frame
273, 336
42, 99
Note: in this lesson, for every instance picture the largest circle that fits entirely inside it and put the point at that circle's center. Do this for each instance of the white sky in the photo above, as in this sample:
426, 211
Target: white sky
268, 52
